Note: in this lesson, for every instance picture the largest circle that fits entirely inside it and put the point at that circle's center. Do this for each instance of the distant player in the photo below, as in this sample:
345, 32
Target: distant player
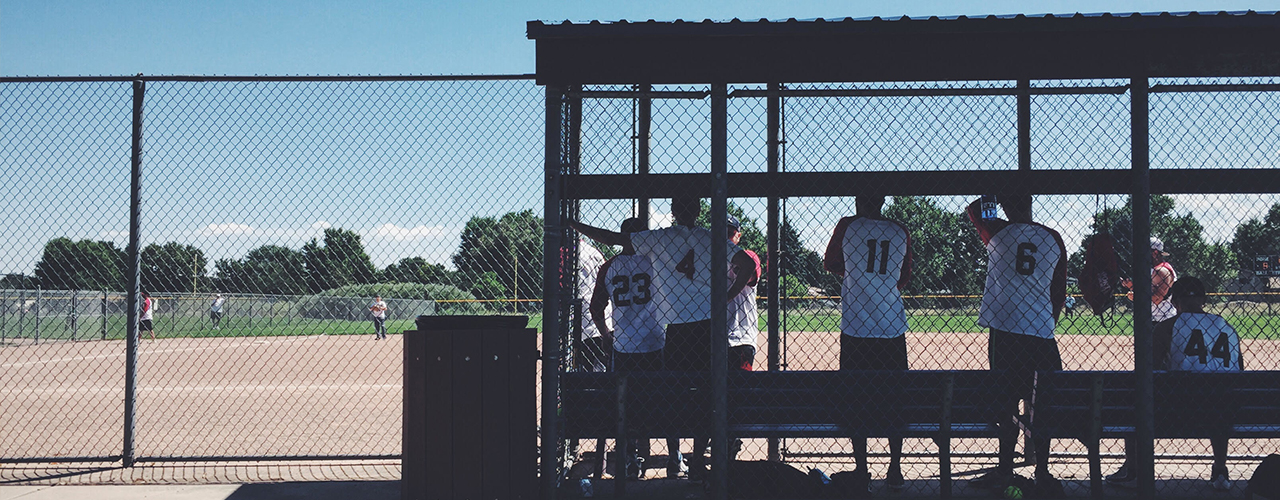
626, 282
873, 255
1025, 291
595, 352
1196, 341
144, 320
1162, 278
215, 311
681, 258
379, 310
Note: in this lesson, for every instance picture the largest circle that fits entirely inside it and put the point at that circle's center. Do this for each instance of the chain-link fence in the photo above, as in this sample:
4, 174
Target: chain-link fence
986, 294
273, 212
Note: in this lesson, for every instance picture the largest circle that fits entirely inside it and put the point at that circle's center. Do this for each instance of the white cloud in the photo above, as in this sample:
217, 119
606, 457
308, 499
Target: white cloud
226, 229
394, 232
321, 225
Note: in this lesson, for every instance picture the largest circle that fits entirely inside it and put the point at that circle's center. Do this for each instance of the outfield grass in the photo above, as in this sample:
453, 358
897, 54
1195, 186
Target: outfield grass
1250, 326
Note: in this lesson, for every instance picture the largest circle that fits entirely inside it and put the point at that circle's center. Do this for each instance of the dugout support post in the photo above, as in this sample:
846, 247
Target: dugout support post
644, 122
719, 292
1144, 456
773, 143
551, 240
135, 278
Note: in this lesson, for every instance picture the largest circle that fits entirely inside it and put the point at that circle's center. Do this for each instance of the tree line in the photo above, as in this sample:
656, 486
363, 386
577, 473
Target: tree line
501, 257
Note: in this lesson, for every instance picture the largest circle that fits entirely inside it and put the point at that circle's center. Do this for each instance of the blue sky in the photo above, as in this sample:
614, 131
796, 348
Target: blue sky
230, 177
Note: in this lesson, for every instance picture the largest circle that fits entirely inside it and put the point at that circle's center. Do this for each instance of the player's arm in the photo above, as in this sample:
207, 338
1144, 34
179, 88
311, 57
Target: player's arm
601, 235
833, 260
1058, 287
599, 301
986, 228
904, 278
748, 272
1161, 282
1161, 338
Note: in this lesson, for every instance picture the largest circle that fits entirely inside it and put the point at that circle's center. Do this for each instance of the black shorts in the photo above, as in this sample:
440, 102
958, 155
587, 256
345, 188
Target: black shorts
637, 361
866, 353
1022, 355
688, 346
145, 325
742, 357
594, 353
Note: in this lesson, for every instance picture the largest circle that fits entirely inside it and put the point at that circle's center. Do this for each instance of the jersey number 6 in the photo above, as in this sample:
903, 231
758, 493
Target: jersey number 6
1025, 262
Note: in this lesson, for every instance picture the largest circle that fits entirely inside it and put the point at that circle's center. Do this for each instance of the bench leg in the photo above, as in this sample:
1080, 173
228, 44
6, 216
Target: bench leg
944, 467
1095, 469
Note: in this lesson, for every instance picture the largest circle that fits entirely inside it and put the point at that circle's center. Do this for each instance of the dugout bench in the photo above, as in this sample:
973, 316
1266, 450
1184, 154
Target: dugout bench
1091, 406
939, 405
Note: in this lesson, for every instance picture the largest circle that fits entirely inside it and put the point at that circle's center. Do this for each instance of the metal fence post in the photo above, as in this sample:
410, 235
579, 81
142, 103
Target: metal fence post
135, 278
4, 319
22, 311
74, 316
551, 237
773, 141
644, 129
1144, 456
36, 310
104, 315
719, 292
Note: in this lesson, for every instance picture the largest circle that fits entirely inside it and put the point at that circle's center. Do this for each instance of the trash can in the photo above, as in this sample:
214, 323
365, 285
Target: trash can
470, 414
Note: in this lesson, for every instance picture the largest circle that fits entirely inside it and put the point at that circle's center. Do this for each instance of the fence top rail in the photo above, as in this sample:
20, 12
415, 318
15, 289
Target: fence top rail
264, 78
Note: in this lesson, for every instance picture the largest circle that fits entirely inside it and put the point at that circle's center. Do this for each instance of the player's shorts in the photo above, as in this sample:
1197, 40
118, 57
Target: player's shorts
1022, 355
637, 361
688, 346
145, 325
594, 354
215, 315
871, 353
742, 357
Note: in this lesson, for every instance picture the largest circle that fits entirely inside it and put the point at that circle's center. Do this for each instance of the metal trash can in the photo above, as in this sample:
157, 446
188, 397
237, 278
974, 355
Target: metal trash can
470, 414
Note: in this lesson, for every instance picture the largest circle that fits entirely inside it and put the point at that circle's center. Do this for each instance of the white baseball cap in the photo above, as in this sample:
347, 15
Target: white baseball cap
1158, 246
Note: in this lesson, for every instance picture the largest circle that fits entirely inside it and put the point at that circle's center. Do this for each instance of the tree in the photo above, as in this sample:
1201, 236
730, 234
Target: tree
510, 247
1183, 238
341, 261
752, 237
414, 270
18, 282
1256, 237
802, 263
268, 269
81, 265
949, 256
171, 267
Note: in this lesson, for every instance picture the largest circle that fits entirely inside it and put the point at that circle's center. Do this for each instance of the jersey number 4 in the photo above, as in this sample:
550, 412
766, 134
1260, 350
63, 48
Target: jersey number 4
622, 296
686, 265
1221, 348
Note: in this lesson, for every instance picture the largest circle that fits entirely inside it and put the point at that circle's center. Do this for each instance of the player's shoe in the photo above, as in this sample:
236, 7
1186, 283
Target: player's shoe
894, 480
1220, 481
991, 480
1123, 477
675, 465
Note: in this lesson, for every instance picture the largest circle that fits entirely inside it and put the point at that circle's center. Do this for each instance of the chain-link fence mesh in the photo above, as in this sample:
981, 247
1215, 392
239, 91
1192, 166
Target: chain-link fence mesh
274, 211
920, 282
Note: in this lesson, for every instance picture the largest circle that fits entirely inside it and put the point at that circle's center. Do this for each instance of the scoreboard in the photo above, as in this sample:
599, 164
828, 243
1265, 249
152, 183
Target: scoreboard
1266, 265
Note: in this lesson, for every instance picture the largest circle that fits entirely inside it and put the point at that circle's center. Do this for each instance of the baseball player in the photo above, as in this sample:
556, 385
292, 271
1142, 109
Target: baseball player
1162, 278
379, 310
594, 355
215, 311
873, 256
681, 260
637, 338
1192, 340
1021, 302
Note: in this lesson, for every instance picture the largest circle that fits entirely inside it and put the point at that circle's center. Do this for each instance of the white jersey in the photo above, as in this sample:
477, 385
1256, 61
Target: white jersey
1164, 310
149, 308
589, 262
629, 279
379, 309
875, 252
681, 258
1021, 260
744, 314
1203, 343
216, 306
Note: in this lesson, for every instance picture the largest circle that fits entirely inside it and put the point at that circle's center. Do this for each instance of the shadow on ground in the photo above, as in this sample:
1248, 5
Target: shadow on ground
323, 490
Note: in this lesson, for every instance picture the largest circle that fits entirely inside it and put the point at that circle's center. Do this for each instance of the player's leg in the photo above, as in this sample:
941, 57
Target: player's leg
1124, 475
896, 359
1219, 478
1043, 354
999, 358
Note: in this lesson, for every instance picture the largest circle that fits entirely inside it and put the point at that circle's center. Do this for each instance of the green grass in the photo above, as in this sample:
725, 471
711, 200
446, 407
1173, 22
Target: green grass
1250, 326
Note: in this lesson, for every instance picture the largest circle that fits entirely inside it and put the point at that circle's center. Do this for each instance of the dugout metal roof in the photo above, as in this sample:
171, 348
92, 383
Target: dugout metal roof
1046, 46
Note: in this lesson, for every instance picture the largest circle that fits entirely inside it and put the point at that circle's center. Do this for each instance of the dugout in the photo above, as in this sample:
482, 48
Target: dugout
645, 65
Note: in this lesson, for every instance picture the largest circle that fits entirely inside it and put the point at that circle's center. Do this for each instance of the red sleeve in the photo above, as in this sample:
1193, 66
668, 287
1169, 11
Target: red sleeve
833, 261
754, 258
600, 295
1058, 289
905, 278
986, 228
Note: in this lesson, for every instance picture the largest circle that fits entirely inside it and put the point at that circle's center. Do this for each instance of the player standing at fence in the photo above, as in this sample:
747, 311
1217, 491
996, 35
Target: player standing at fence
873, 256
595, 352
1162, 278
625, 286
1195, 341
215, 311
144, 320
379, 309
1024, 294
681, 259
